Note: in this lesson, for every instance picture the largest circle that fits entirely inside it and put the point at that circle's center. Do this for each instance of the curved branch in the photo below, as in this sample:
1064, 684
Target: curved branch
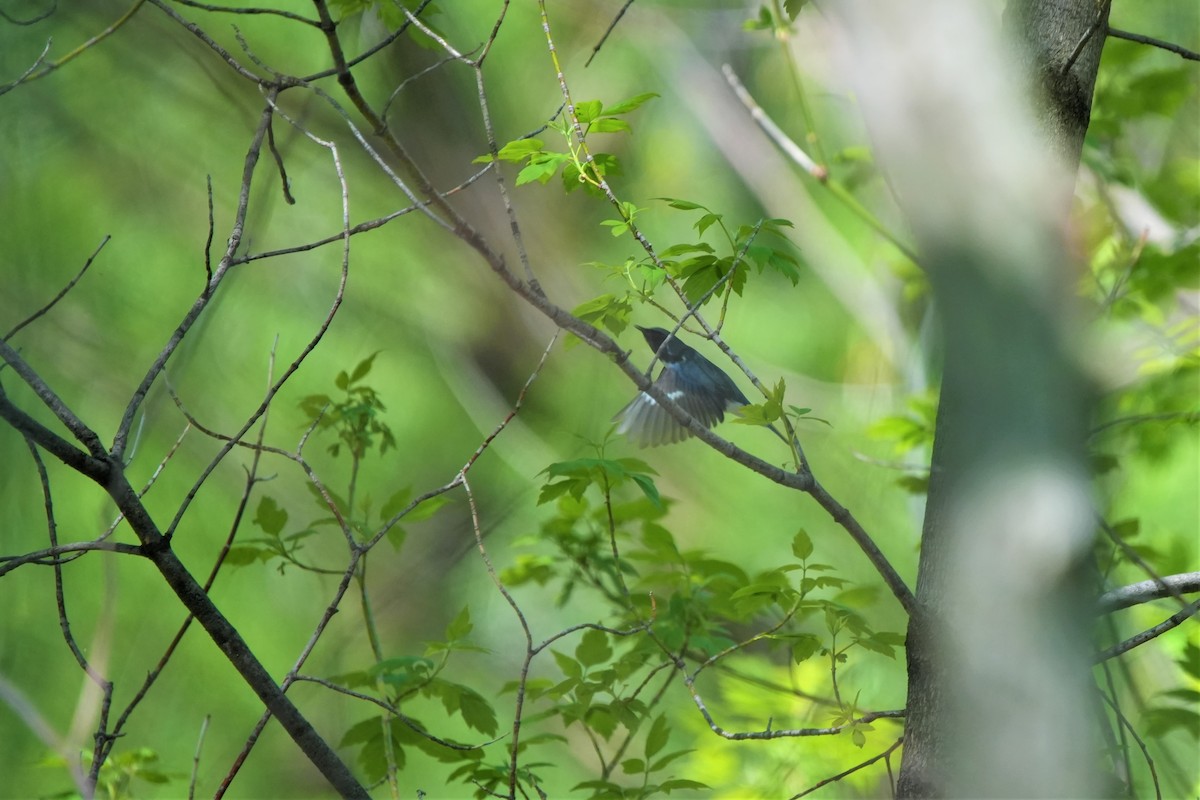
1145, 591
1173, 621
1190, 55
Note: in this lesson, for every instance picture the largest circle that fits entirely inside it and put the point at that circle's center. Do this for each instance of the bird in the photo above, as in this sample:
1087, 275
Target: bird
699, 386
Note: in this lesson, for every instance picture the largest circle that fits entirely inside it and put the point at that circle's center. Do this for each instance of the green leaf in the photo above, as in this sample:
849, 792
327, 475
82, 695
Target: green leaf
609, 126
396, 503
763, 22
518, 150
876, 646
633, 766
461, 626
270, 517
427, 508
593, 648
608, 311
363, 367
684, 249
588, 110
625, 106
243, 554
805, 647
707, 221
1162, 720
802, 546
569, 666
477, 712
666, 760
669, 786
646, 484
682, 205
656, 739
1189, 662
541, 168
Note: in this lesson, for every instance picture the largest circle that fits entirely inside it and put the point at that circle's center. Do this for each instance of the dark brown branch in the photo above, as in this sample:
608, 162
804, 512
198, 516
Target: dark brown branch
850, 771
251, 11
95, 468
1190, 55
209, 42
62, 293
102, 736
52, 556
9, 18
235, 238
608, 32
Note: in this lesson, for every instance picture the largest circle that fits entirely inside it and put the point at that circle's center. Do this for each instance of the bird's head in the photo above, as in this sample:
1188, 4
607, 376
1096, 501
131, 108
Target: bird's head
675, 349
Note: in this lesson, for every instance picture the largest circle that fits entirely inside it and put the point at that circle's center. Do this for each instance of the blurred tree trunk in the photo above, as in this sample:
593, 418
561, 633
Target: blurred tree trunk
998, 661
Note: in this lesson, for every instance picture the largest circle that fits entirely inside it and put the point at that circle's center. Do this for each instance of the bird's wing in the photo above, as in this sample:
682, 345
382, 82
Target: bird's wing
648, 424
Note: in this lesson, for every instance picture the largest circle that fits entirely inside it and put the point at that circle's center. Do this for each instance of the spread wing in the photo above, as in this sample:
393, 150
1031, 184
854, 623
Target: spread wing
648, 424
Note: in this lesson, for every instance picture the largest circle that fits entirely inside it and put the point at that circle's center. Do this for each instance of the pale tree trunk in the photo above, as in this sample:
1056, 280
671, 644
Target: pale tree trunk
980, 137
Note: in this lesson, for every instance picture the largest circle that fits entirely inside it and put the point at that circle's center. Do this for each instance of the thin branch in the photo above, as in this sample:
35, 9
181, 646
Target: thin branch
783, 733
101, 736
51, 442
62, 292
85, 435
9, 18
1145, 591
1137, 419
608, 32
209, 291
283, 176
818, 172
172, 646
211, 232
1190, 55
51, 66
196, 756
395, 712
228, 10
1125, 725
1136, 558
851, 771
1100, 21
1170, 622
51, 556
211, 43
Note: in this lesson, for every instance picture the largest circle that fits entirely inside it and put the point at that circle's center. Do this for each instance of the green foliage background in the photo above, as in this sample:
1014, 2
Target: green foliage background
120, 143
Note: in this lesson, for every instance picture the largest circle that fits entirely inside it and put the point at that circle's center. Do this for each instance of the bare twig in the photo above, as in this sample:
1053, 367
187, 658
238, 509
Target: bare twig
62, 292
196, 756
817, 171
51, 66
1145, 591
1100, 21
1171, 47
852, 770
251, 11
608, 32
1170, 622
9, 18
201, 302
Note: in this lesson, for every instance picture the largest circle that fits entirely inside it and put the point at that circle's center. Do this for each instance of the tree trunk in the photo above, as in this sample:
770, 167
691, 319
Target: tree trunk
998, 654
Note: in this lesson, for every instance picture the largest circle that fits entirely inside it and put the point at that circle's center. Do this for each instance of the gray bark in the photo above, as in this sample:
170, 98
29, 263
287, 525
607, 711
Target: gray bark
982, 146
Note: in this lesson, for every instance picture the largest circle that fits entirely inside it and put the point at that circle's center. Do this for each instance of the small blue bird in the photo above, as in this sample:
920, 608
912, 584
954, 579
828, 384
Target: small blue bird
699, 386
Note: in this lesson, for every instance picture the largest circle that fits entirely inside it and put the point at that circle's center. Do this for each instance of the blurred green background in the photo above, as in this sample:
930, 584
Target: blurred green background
120, 142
